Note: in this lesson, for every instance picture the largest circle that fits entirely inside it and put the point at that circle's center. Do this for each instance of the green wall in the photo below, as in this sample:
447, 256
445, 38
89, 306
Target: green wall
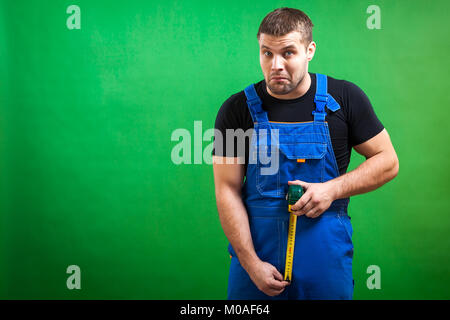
86, 118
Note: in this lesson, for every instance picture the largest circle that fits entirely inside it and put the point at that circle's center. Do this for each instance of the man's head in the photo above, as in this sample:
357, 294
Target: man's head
286, 47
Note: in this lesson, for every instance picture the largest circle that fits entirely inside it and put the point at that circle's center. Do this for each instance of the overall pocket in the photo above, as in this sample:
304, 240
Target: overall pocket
303, 161
288, 161
264, 155
268, 172
346, 233
347, 227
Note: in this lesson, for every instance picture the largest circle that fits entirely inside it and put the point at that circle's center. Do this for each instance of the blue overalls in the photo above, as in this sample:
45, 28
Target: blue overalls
323, 251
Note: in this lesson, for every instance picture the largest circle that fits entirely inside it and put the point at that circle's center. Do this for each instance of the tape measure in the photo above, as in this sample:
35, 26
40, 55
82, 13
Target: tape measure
294, 193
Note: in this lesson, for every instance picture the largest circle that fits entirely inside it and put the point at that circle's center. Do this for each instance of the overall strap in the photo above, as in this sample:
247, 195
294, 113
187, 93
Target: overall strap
323, 98
255, 105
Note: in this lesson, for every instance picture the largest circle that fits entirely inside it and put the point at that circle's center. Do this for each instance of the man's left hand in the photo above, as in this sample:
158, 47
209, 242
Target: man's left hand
316, 199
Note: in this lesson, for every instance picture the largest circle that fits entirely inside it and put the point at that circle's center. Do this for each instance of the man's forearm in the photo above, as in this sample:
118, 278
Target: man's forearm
370, 175
234, 219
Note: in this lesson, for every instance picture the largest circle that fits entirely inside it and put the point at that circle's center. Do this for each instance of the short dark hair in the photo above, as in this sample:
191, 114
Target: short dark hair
281, 21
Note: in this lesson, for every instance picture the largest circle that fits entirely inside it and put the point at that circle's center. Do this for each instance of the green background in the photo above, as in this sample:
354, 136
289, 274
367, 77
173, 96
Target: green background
86, 118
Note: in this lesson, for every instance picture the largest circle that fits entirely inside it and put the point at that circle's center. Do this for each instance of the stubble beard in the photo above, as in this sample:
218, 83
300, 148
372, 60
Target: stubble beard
286, 88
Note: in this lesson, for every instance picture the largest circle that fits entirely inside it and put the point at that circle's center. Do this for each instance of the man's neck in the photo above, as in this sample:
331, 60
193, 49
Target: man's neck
301, 89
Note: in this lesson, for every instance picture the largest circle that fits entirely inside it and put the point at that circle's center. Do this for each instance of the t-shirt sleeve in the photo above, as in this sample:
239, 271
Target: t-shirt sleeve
227, 118
363, 122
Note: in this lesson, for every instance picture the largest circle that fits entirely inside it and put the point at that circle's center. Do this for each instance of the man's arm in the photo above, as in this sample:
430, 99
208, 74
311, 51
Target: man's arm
381, 166
228, 178
233, 216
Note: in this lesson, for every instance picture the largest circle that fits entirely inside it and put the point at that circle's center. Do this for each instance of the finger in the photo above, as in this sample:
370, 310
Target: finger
303, 202
321, 210
276, 285
299, 183
308, 207
312, 213
295, 182
304, 199
318, 213
278, 282
277, 274
280, 277
276, 292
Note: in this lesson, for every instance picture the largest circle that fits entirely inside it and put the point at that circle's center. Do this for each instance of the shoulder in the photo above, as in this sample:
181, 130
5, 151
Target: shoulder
348, 94
238, 100
233, 102
359, 113
231, 112
234, 111
344, 89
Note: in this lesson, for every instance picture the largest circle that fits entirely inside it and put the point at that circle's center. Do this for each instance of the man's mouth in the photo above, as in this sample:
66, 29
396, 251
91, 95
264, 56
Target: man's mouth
279, 78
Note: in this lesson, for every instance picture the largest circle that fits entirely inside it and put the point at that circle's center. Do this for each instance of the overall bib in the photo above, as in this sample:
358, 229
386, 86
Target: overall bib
323, 252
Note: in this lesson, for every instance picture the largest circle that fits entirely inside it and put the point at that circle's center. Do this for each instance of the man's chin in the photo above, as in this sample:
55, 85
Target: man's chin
280, 90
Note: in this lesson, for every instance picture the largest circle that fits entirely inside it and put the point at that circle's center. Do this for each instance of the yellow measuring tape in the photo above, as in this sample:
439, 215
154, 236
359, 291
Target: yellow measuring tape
294, 193
290, 246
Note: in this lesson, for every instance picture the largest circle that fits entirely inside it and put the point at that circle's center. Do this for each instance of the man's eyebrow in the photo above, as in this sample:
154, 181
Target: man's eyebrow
287, 47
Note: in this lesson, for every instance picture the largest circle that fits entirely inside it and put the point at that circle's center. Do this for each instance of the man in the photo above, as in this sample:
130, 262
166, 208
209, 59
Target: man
310, 122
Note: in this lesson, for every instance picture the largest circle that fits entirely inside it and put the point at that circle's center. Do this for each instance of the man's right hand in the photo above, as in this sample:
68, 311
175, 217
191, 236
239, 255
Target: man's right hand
267, 278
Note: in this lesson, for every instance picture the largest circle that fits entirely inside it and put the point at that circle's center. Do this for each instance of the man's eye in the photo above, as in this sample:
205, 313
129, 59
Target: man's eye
289, 52
267, 53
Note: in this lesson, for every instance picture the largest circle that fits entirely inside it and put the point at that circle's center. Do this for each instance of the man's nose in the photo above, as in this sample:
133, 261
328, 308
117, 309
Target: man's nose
277, 63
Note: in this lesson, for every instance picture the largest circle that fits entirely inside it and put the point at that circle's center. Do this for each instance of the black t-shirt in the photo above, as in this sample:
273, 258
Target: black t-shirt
354, 123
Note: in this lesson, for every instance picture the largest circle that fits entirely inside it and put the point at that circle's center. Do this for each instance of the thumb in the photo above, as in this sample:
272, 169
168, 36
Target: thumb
299, 183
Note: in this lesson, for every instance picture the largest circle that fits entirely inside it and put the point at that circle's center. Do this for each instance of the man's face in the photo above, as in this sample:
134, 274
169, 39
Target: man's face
284, 62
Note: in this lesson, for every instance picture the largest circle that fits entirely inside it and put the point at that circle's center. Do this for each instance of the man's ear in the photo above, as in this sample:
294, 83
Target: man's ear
310, 50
